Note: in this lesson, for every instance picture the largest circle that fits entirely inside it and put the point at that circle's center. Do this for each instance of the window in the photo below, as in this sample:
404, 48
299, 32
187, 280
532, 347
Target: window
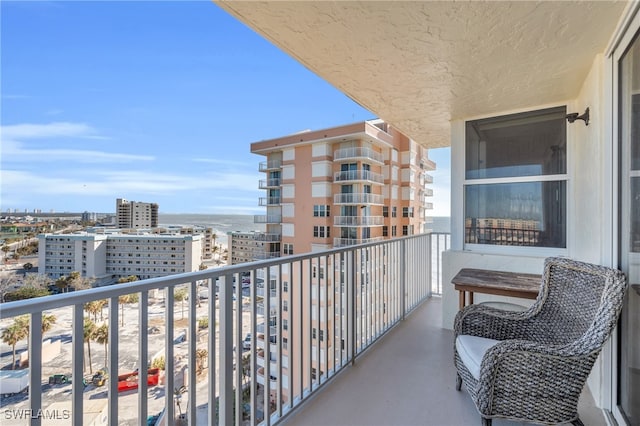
515, 186
321, 335
288, 248
285, 324
385, 211
322, 231
405, 230
385, 231
313, 333
285, 286
405, 212
394, 211
285, 306
321, 211
285, 343
393, 231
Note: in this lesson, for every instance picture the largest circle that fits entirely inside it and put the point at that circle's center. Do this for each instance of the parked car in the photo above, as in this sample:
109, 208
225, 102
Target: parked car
246, 343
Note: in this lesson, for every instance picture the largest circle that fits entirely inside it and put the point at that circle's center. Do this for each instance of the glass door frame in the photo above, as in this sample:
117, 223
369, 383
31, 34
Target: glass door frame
621, 42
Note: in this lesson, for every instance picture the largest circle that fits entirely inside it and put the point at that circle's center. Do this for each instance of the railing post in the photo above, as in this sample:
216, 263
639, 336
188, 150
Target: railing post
403, 278
112, 390
35, 367
143, 349
351, 292
226, 351
77, 354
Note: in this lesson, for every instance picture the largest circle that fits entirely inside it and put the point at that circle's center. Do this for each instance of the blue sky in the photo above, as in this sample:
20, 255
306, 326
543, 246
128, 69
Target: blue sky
150, 101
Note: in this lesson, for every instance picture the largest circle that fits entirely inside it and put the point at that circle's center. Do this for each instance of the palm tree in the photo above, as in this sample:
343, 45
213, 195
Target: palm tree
94, 307
101, 335
181, 295
11, 336
62, 283
123, 300
48, 320
201, 356
89, 332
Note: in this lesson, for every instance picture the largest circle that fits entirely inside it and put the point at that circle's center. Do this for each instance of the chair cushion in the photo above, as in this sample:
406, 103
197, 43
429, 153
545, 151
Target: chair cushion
471, 350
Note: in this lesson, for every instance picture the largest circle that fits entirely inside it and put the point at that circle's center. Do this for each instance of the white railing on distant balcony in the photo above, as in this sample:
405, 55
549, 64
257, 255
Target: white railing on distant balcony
358, 152
267, 237
358, 220
371, 287
269, 183
260, 254
358, 175
269, 165
427, 178
272, 218
358, 198
342, 242
268, 201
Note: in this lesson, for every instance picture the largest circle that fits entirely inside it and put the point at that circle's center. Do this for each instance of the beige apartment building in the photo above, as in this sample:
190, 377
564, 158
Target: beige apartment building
135, 214
342, 186
329, 188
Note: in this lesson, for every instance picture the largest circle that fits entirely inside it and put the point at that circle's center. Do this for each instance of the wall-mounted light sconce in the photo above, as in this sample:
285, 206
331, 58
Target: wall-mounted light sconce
574, 116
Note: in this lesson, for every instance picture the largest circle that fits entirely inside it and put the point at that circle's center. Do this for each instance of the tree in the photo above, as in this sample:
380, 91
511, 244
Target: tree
37, 280
202, 267
5, 249
101, 335
62, 283
94, 307
181, 295
89, 330
48, 320
7, 281
125, 299
25, 292
11, 336
28, 266
201, 357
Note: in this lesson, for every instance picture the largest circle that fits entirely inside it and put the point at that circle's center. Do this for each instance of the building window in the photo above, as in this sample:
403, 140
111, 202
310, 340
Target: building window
321, 210
288, 248
285, 286
321, 335
385, 211
393, 231
285, 343
515, 185
285, 324
407, 212
313, 333
322, 231
385, 231
285, 306
394, 211
405, 230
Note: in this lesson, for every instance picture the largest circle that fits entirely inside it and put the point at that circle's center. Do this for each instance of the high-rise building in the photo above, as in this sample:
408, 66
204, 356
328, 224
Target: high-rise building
346, 185
134, 214
341, 186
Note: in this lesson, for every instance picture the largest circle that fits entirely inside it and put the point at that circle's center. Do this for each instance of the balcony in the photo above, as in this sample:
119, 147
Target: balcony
358, 220
358, 198
268, 237
269, 183
369, 302
268, 201
272, 218
260, 255
343, 242
358, 176
358, 153
266, 166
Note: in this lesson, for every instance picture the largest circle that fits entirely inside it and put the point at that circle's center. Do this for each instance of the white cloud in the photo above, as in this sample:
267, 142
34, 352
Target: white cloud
51, 130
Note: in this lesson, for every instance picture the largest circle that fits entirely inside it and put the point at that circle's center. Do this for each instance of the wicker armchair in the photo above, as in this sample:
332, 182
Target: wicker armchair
531, 366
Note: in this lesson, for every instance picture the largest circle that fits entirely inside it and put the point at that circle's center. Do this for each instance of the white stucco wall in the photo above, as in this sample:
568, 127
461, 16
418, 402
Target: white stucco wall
589, 207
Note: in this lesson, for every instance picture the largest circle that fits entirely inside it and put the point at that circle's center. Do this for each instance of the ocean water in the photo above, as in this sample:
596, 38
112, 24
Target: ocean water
224, 223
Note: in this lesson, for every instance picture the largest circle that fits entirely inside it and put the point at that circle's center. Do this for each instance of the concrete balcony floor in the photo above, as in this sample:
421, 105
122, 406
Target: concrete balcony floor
407, 378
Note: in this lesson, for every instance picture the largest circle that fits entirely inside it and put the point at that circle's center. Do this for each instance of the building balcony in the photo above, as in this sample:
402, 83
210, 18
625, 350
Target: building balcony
426, 179
358, 220
269, 201
272, 218
359, 198
261, 254
358, 153
268, 237
266, 166
269, 183
343, 242
358, 176
380, 300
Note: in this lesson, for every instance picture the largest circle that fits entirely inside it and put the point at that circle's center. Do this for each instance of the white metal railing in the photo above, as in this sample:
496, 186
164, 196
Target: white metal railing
269, 183
329, 307
358, 198
358, 220
358, 175
269, 165
358, 152
342, 242
267, 236
268, 201
272, 218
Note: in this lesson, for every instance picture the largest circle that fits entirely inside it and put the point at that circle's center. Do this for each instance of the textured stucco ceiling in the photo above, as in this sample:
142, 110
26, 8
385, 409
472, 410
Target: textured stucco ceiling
418, 65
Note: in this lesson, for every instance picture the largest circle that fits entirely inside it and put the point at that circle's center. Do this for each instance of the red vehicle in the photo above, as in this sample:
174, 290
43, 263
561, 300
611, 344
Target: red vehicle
129, 381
